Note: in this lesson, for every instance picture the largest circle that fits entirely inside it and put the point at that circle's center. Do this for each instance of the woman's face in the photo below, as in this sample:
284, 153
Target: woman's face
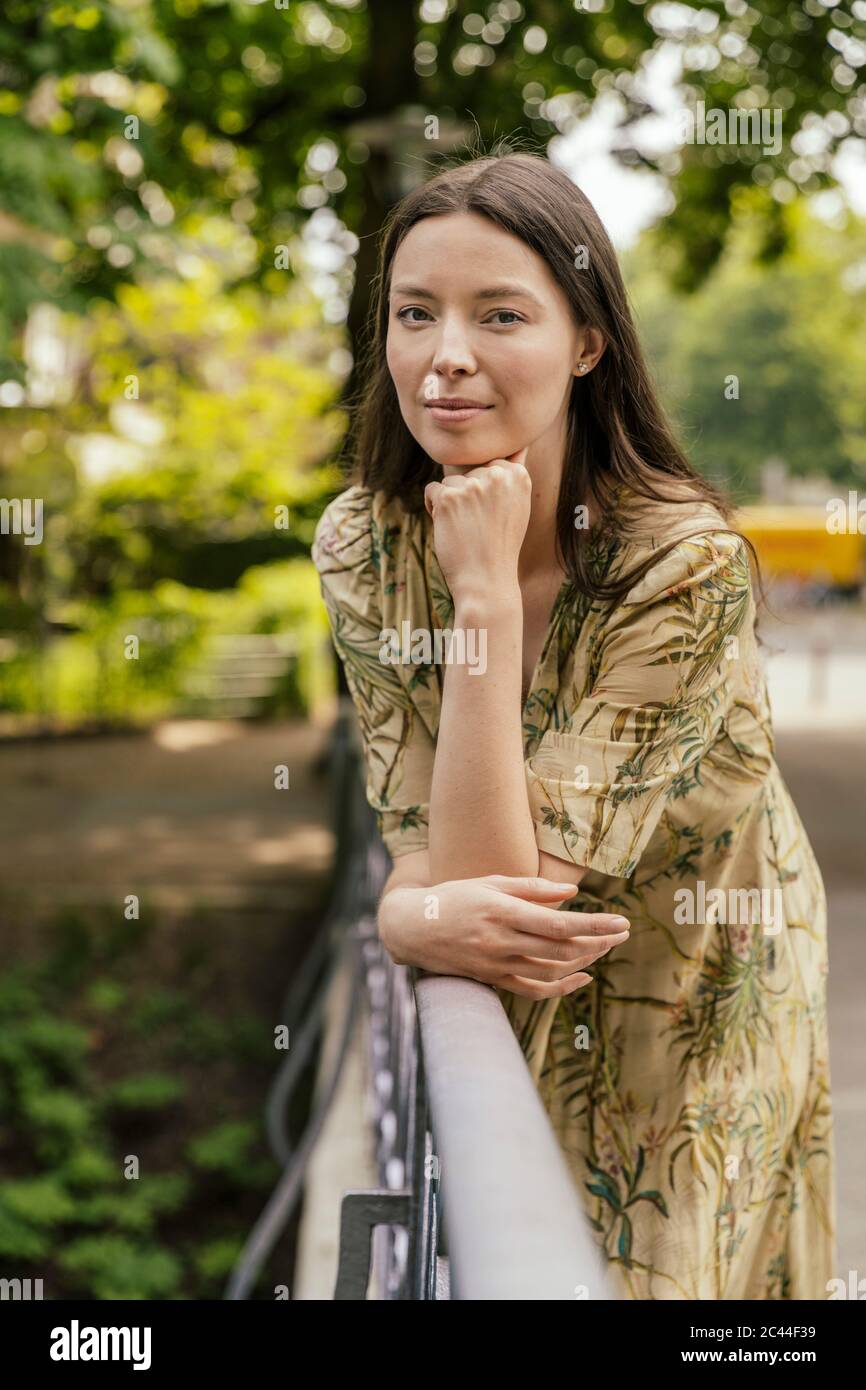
476, 313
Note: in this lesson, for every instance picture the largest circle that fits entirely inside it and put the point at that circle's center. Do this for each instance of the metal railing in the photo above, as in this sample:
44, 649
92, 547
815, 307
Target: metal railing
461, 1132
361, 867
465, 1147
516, 1227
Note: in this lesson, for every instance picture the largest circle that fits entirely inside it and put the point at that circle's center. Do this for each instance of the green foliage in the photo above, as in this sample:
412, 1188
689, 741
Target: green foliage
88, 674
160, 164
249, 1040
87, 1166
203, 1038
225, 1148
136, 1204
225, 1152
146, 1092
40, 1201
59, 1041
113, 1267
20, 1241
74, 947
104, 996
232, 98
180, 484
80, 944
215, 1260
157, 1008
18, 994
71, 1214
793, 340
58, 1117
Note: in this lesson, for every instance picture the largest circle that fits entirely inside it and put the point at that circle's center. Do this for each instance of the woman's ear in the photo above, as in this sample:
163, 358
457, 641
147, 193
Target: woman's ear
591, 351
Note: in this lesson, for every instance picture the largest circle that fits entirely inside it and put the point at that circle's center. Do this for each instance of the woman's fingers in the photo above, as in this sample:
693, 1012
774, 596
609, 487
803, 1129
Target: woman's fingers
531, 889
572, 952
548, 932
537, 989
560, 924
431, 492
534, 968
481, 470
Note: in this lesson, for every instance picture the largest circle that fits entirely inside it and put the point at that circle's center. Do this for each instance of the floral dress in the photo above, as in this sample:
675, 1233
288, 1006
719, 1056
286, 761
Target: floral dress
689, 1083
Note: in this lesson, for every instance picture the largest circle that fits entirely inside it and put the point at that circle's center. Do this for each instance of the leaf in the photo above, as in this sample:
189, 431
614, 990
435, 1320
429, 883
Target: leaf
599, 1191
624, 1243
42, 1201
641, 1155
619, 724
148, 1092
19, 1241
116, 1268
655, 1197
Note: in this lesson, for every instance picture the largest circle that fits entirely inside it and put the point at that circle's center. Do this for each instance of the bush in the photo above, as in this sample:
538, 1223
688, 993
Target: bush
99, 671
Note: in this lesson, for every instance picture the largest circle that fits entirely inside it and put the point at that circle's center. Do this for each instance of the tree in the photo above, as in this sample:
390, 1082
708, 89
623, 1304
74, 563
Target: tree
119, 119
756, 366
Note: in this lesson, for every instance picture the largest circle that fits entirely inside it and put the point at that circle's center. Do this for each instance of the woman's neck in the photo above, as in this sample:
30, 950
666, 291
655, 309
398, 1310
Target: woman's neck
544, 463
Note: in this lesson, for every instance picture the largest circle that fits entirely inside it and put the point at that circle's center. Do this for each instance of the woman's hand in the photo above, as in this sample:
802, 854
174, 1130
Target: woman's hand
507, 932
479, 522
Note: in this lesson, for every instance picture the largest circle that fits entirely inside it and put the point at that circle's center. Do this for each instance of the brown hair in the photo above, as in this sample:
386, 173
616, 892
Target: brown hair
617, 433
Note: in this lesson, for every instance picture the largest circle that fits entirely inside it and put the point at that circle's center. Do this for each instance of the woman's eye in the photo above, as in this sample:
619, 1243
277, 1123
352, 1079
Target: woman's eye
511, 316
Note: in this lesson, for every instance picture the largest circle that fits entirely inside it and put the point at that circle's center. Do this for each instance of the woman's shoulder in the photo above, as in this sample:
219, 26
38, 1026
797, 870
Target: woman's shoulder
651, 523
360, 536
342, 538
673, 545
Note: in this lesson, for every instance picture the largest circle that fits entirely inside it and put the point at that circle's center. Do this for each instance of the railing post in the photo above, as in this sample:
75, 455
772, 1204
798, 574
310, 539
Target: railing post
360, 1213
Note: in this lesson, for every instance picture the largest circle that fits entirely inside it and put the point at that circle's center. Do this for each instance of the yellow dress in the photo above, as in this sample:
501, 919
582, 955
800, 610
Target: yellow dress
689, 1082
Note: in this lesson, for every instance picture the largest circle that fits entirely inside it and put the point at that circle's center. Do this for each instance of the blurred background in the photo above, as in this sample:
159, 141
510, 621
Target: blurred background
190, 192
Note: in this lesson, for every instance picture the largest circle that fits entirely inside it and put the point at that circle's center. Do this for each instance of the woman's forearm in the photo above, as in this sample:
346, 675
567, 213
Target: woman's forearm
480, 821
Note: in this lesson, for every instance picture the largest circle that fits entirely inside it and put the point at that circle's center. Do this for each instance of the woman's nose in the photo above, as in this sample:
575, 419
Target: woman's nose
453, 351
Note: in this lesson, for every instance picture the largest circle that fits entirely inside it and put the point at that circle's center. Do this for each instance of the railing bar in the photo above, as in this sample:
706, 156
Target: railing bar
279, 1096
516, 1225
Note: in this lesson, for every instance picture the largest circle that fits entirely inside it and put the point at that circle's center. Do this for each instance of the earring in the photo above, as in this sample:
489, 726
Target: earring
582, 367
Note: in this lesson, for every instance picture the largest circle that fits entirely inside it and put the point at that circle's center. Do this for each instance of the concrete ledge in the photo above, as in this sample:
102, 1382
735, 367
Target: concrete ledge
344, 1157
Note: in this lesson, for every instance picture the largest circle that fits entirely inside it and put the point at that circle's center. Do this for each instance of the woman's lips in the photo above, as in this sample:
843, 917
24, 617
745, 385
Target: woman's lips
451, 415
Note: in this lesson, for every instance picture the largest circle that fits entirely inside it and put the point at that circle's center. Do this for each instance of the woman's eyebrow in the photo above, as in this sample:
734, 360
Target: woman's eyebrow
494, 292
509, 290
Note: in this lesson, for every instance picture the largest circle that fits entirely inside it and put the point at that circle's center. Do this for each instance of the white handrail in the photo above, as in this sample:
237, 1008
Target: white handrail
514, 1222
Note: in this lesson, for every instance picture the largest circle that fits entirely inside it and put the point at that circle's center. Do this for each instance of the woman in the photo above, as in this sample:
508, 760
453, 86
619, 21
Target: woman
517, 486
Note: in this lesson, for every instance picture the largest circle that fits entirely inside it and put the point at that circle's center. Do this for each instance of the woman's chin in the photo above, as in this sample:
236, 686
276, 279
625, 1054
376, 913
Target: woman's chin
463, 453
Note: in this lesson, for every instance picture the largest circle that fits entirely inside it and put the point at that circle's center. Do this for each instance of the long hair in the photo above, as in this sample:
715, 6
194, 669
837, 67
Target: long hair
617, 434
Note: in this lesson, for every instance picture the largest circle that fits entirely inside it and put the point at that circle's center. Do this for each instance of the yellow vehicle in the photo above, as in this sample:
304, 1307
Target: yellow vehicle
794, 543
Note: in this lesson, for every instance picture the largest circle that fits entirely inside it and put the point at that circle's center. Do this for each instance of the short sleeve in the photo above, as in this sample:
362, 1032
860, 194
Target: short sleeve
398, 748
650, 707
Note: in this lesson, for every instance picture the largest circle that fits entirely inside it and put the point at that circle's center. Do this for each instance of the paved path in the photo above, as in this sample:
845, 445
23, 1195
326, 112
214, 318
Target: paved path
826, 773
185, 813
